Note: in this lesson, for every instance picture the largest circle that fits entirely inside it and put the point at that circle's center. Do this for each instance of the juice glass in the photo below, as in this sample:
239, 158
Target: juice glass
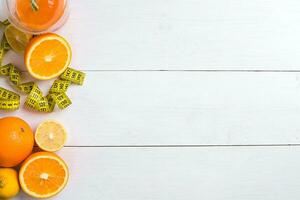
37, 16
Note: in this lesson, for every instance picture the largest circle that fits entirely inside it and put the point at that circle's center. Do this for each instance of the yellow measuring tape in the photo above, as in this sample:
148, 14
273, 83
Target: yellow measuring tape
4, 48
5, 22
9, 100
35, 100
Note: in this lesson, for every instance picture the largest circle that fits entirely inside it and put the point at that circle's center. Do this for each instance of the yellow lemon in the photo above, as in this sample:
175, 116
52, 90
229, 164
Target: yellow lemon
50, 136
16, 39
9, 184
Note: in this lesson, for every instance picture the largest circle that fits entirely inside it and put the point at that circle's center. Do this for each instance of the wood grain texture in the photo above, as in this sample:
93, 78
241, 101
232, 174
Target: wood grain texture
167, 108
248, 173
176, 34
182, 35
149, 107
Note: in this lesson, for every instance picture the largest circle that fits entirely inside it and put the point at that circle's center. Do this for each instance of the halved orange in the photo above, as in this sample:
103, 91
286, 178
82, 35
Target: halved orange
47, 56
43, 175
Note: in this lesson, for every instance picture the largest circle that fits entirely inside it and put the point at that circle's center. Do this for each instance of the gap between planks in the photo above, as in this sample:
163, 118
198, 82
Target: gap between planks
202, 70
182, 146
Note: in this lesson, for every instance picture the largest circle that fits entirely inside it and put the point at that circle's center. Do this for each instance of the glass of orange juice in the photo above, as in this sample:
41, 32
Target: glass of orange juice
37, 16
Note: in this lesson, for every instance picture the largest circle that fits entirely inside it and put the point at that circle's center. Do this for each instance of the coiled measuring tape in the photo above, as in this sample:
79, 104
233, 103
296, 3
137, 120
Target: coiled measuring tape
35, 100
5, 23
4, 48
9, 100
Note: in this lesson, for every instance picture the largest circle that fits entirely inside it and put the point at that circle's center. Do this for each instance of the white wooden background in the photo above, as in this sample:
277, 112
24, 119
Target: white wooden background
184, 100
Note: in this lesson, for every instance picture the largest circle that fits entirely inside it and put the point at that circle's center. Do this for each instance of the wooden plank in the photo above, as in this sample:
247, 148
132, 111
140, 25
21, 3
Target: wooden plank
162, 108
181, 35
248, 173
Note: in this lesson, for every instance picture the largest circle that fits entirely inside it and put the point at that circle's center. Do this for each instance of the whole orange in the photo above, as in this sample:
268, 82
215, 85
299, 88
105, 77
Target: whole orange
16, 141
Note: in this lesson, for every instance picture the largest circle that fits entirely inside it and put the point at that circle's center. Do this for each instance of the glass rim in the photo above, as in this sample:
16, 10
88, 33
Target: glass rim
13, 20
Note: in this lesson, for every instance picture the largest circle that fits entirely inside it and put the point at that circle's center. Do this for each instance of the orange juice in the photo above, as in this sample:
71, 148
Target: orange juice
47, 14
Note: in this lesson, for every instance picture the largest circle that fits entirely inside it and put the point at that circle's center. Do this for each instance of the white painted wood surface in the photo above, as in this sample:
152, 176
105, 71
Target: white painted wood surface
185, 34
245, 92
171, 108
233, 173
182, 35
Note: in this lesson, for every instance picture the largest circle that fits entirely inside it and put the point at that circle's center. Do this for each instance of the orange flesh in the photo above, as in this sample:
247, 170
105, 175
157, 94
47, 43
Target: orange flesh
48, 58
34, 182
49, 12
